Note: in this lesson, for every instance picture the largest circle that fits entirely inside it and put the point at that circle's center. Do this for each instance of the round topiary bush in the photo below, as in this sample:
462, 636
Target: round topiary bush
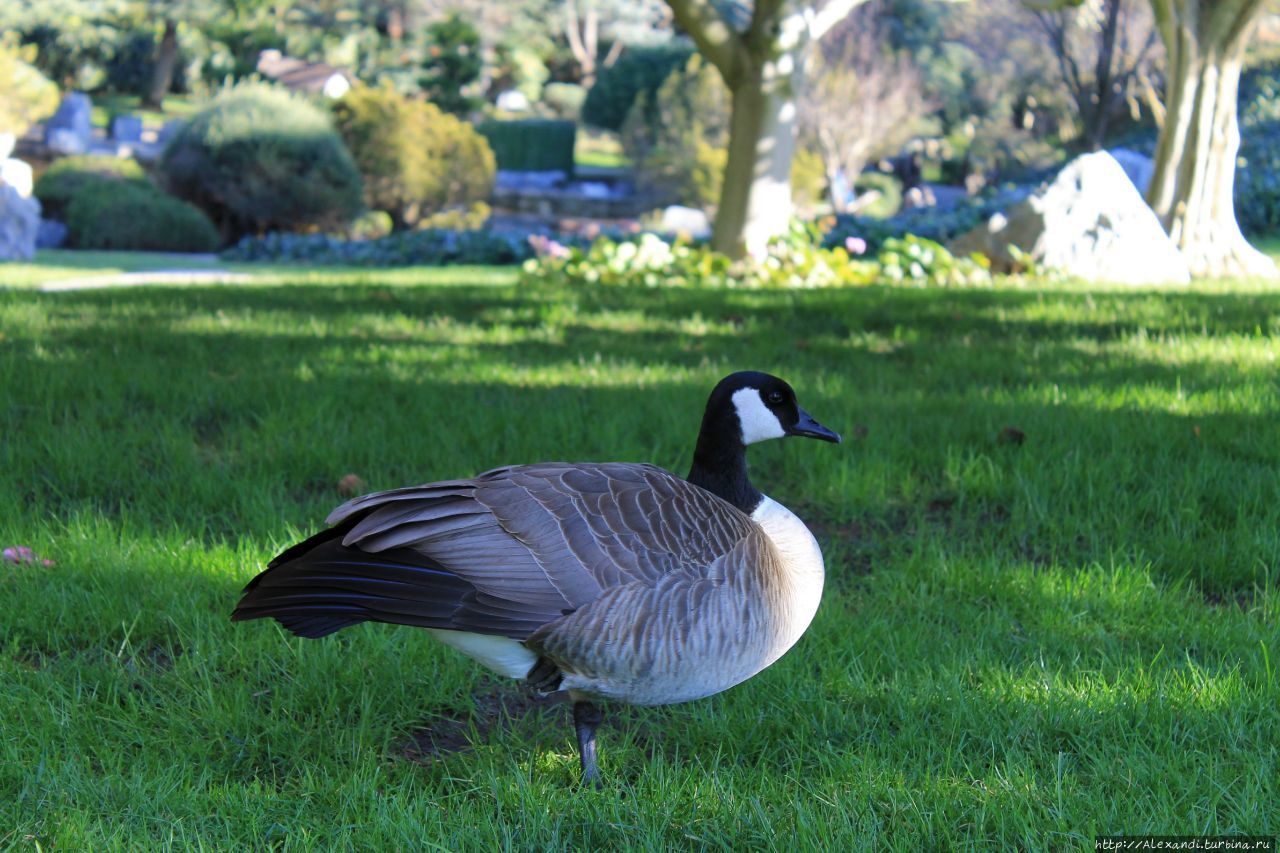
258, 159
66, 178
137, 216
639, 70
415, 160
26, 95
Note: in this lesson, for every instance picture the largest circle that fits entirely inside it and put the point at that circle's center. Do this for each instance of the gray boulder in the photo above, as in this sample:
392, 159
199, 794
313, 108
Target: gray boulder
51, 234
126, 128
689, 221
70, 130
19, 222
169, 130
1089, 222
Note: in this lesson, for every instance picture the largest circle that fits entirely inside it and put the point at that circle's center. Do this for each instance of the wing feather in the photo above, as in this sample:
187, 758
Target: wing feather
504, 553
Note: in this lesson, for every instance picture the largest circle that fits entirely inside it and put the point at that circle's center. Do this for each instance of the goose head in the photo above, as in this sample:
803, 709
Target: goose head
745, 408
766, 407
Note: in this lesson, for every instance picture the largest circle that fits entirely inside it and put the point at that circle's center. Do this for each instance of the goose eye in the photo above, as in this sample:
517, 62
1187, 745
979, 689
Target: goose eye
774, 398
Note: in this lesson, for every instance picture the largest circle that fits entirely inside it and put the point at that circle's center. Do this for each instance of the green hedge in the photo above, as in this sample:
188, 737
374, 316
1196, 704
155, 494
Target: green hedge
532, 145
259, 159
107, 214
638, 70
66, 178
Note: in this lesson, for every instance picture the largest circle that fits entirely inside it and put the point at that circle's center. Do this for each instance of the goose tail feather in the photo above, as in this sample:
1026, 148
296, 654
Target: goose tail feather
320, 586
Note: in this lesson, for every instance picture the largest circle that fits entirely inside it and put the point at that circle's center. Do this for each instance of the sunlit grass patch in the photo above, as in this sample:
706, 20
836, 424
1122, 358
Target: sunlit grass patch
1052, 535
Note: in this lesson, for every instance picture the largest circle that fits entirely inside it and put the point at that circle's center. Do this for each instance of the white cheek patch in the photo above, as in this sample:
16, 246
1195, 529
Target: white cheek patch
758, 423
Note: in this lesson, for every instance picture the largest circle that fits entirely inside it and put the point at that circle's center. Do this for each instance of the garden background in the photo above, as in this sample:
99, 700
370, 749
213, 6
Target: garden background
264, 256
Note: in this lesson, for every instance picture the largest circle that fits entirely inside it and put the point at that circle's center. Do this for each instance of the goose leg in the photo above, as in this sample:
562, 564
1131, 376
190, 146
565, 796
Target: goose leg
586, 716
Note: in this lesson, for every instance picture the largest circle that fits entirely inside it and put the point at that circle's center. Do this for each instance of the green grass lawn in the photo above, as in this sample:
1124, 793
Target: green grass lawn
107, 105
599, 149
1021, 644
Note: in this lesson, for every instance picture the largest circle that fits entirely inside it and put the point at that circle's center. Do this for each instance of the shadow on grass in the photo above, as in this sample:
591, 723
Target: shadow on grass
987, 650
279, 392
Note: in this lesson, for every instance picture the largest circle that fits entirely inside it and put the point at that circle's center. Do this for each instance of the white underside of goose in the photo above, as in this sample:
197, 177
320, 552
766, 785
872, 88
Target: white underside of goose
503, 655
804, 567
800, 593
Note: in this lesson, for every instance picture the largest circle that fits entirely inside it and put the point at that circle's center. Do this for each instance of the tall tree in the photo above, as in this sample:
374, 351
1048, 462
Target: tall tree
1102, 49
590, 24
166, 62
453, 65
1192, 190
862, 100
760, 51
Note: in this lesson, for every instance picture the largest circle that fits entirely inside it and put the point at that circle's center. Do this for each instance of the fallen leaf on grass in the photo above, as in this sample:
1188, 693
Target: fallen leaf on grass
1011, 435
350, 486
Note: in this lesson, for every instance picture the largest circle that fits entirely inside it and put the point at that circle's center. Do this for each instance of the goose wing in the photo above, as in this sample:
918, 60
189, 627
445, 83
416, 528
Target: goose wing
504, 553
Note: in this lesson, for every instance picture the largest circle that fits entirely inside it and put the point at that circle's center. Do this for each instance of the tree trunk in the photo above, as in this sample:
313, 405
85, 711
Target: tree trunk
1193, 187
755, 200
166, 61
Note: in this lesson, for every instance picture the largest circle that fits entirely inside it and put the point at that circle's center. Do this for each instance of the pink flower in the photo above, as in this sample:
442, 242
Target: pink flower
547, 248
855, 245
22, 555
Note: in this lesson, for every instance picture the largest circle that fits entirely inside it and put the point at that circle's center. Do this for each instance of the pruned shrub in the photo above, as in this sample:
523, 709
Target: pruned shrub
1258, 179
67, 177
638, 70
414, 159
258, 159
532, 145
679, 137
564, 99
453, 64
26, 95
135, 215
424, 247
1257, 188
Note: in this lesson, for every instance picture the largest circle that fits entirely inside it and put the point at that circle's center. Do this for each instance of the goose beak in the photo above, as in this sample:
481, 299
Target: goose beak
809, 428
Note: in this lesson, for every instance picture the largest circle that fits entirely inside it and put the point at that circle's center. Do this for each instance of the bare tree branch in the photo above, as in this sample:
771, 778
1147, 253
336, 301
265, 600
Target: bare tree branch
859, 104
591, 33
573, 32
1096, 57
716, 40
615, 50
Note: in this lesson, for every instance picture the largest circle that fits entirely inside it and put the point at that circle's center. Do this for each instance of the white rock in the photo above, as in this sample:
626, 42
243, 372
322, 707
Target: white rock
1089, 222
18, 175
685, 220
1139, 167
70, 129
513, 101
19, 222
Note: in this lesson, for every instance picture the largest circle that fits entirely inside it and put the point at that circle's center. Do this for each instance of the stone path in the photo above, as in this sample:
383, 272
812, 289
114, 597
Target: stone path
135, 279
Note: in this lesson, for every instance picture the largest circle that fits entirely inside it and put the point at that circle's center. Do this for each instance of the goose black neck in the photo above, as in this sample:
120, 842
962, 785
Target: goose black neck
720, 462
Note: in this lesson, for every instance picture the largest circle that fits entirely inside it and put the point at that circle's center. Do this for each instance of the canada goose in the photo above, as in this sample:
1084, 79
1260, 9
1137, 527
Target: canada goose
610, 581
